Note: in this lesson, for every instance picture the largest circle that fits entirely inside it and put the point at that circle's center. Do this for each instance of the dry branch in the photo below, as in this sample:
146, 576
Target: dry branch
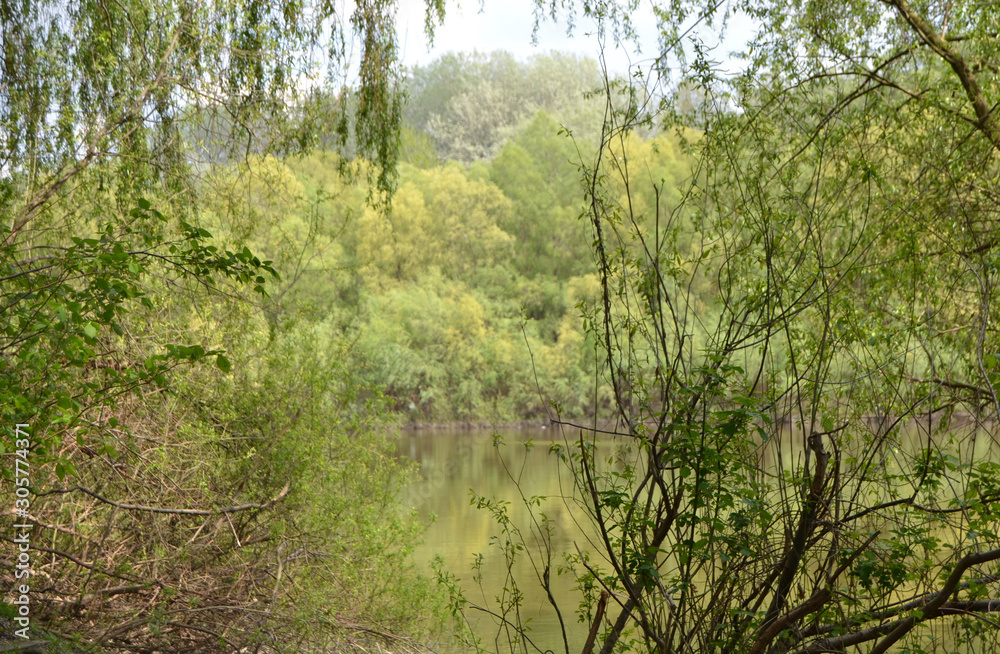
202, 512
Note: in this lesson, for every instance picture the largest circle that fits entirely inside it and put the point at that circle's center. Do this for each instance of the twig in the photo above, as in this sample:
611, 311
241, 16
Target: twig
156, 509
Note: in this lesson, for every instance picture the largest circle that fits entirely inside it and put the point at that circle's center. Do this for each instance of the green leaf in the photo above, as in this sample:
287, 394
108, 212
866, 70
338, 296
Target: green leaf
90, 329
223, 363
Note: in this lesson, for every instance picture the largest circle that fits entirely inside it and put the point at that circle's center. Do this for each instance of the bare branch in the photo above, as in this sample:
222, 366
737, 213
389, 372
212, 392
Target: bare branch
155, 509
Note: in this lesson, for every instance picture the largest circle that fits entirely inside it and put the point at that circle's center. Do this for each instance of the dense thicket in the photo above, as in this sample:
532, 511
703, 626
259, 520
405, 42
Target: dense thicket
786, 281
193, 481
462, 300
804, 455
208, 343
470, 105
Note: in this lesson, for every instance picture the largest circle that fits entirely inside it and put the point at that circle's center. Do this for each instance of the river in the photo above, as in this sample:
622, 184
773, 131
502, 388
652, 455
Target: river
454, 464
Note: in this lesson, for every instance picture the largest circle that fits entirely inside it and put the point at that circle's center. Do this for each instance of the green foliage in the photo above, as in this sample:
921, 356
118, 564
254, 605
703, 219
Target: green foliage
794, 326
499, 245
64, 316
110, 301
226, 74
471, 104
443, 220
277, 428
463, 296
299, 413
417, 149
536, 170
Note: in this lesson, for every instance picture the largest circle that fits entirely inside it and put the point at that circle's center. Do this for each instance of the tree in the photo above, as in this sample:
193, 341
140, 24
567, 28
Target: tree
117, 85
97, 100
536, 170
113, 290
470, 105
808, 465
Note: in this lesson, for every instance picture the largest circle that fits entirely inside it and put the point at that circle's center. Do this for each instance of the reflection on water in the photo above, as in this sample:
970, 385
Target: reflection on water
453, 465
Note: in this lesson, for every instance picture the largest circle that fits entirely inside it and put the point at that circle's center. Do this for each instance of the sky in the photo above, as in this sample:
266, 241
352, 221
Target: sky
503, 25
507, 25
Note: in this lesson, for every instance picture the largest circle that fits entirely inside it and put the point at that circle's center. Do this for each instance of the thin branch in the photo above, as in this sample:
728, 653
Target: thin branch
986, 124
155, 509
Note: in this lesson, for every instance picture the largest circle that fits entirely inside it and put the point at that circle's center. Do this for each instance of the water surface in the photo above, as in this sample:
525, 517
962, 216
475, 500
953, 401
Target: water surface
456, 464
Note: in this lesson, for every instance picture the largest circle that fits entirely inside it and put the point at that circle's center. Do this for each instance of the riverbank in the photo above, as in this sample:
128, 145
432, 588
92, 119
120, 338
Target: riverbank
871, 422
466, 425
